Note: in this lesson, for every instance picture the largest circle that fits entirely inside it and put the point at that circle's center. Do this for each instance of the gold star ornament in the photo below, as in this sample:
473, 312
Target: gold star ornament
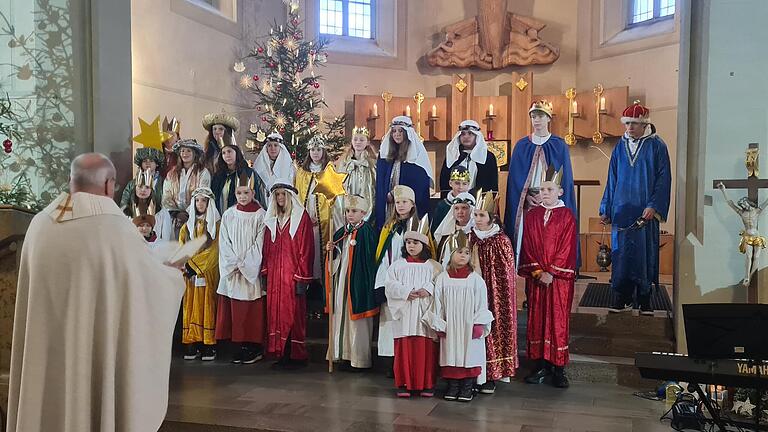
152, 134
330, 183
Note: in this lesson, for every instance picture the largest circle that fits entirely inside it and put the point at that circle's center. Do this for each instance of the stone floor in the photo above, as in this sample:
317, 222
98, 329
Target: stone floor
220, 397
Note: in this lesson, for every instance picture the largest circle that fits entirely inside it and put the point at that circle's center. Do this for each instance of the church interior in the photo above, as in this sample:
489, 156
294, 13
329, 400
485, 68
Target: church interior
90, 76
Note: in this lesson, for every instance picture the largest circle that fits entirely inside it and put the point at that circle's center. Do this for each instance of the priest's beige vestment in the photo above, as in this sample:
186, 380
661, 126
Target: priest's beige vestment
95, 313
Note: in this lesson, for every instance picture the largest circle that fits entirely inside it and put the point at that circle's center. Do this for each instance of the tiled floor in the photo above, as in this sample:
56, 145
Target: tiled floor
245, 398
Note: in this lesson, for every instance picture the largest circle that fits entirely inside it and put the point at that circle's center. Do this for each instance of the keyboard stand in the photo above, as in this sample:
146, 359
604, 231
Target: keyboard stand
708, 405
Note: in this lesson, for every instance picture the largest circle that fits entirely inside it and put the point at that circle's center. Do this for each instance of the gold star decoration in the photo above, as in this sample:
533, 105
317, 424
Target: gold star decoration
330, 183
152, 134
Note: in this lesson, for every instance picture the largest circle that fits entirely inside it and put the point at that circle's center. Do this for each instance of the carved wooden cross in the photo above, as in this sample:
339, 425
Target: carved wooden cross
752, 184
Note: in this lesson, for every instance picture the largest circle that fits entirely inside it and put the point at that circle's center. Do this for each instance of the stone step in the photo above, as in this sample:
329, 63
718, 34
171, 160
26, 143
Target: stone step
623, 324
617, 346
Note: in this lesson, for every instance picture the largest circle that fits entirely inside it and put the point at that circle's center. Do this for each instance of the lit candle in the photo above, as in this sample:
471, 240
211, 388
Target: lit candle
408, 110
602, 103
375, 110
490, 109
574, 107
434, 111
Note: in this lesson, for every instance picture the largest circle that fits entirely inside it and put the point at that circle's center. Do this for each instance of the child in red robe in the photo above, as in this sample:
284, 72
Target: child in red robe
409, 286
289, 251
548, 263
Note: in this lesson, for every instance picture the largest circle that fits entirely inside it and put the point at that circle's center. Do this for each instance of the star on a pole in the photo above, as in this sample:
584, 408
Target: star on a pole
330, 183
152, 134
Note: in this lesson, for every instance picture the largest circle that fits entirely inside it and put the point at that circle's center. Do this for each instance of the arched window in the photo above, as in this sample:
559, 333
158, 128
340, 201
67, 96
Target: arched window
644, 11
353, 18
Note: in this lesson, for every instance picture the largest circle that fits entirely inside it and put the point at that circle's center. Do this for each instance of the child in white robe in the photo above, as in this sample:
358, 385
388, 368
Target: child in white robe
409, 286
461, 318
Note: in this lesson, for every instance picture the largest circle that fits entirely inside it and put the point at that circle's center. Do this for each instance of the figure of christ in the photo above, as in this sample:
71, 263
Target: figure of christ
752, 243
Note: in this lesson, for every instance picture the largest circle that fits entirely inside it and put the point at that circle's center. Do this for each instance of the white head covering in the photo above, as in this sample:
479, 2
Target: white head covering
211, 216
448, 224
283, 167
297, 210
478, 154
417, 154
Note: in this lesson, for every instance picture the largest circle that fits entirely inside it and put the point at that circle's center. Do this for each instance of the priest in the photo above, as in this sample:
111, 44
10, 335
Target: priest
95, 313
635, 201
532, 155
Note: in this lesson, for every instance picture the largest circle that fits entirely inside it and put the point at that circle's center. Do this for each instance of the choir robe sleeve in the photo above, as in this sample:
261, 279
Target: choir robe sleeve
228, 260
606, 204
251, 264
396, 290
483, 316
659, 200
305, 243
435, 318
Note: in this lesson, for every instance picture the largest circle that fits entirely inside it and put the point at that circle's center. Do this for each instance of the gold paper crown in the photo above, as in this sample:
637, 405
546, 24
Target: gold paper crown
555, 176
172, 125
355, 202
418, 229
461, 174
245, 180
143, 178
361, 130
147, 215
456, 241
221, 118
543, 106
486, 201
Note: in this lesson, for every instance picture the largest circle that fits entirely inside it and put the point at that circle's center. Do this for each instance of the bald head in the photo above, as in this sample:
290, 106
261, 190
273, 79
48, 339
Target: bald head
92, 173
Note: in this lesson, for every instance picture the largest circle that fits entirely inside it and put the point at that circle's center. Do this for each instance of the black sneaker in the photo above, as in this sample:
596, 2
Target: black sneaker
466, 394
488, 388
645, 306
208, 353
251, 356
538, 376
237, 357
191, 352
559, 378
620, 305
453, 390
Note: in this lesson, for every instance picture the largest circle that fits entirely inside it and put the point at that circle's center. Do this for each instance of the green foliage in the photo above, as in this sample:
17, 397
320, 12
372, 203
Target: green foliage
287, 90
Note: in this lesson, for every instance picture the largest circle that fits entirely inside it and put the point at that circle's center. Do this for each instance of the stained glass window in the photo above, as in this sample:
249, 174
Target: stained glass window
641, 11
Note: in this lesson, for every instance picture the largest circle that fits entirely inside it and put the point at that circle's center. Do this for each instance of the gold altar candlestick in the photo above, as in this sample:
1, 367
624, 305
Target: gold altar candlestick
597, 137
419, 99
386, 97
570, 137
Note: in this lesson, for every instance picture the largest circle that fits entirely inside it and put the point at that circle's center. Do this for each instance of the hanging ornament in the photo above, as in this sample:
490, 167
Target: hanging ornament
239, 67
255, 77
152, 134
295, 21
280, 119
264, 118
8, 146
253, 128
316, 84
259, 50
293, 155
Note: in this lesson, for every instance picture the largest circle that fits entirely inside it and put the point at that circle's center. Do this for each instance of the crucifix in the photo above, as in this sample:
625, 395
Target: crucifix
749, 211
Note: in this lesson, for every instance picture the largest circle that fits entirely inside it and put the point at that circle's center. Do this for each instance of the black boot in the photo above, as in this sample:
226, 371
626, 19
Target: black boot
488, 388
191, 351
466, 394
539, 374
559, 378
644, 303
453, 389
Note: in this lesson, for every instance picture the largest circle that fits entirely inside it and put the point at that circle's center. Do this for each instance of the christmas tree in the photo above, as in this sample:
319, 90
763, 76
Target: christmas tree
287, 87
